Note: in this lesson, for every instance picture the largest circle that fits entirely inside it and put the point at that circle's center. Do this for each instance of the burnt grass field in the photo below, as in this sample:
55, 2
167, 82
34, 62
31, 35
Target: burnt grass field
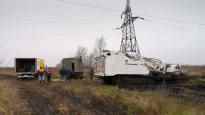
86, 97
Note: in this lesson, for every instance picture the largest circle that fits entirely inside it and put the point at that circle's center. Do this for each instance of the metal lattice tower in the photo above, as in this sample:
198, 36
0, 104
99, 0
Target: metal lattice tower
129, 44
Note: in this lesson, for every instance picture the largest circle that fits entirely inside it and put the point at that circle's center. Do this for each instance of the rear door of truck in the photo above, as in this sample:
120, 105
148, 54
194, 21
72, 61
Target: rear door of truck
25, 65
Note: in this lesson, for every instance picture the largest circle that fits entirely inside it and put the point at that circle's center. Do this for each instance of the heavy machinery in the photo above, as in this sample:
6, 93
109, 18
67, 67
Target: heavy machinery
174, 70
128, 63
115, 66
27, 67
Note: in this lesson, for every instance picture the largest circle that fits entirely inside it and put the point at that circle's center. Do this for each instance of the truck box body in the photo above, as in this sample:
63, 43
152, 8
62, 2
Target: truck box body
26, 67
112, 64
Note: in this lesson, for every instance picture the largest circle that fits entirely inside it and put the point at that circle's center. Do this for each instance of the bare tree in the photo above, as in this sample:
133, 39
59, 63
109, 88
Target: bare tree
99, 46
90, 60
82, 53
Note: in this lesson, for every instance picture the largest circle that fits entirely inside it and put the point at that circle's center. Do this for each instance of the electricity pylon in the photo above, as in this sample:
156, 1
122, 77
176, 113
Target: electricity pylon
129, 44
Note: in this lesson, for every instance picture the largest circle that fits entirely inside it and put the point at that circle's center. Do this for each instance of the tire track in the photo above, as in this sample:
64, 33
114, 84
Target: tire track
37, 102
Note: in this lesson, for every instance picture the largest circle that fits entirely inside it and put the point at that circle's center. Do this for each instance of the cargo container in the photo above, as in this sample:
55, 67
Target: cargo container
27, 67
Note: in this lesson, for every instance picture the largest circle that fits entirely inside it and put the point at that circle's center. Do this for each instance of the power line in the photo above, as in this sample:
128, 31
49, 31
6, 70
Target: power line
147, 17
172, 21
68, 2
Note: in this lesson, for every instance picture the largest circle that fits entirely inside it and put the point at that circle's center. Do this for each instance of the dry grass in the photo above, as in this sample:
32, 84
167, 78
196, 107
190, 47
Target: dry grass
10, 103
196, 71
7, 72
198, 82
91, 98
120, 101
5, 95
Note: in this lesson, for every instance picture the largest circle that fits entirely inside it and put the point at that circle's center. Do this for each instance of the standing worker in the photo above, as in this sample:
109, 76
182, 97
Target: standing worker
48, 75
62, 73
65, 74
41, 75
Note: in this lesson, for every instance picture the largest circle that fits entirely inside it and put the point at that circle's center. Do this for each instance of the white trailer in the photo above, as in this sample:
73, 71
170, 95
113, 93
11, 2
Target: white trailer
27, 67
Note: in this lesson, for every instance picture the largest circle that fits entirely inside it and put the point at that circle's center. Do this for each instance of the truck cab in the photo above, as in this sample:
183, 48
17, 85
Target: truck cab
174, 70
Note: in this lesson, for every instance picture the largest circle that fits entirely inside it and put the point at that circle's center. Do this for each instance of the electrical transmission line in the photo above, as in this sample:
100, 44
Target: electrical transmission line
148, 17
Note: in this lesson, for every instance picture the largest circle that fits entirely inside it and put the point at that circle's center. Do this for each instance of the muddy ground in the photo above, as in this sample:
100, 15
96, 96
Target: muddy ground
34, 98
52, 99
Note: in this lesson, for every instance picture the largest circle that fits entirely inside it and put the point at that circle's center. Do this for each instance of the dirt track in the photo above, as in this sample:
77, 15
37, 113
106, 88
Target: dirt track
40, 99
32, 93
53, 99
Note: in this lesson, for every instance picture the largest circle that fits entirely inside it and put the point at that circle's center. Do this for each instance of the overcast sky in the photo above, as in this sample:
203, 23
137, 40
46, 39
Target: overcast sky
173, 30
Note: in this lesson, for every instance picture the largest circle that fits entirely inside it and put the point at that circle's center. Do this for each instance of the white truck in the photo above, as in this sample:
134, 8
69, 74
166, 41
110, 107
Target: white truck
27, 67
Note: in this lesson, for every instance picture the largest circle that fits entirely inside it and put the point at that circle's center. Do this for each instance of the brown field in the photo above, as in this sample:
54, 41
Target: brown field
82, 97
85, 97
9, 71
194, 70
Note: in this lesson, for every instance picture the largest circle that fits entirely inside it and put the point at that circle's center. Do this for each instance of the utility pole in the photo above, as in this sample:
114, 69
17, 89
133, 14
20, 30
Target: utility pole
129, 44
